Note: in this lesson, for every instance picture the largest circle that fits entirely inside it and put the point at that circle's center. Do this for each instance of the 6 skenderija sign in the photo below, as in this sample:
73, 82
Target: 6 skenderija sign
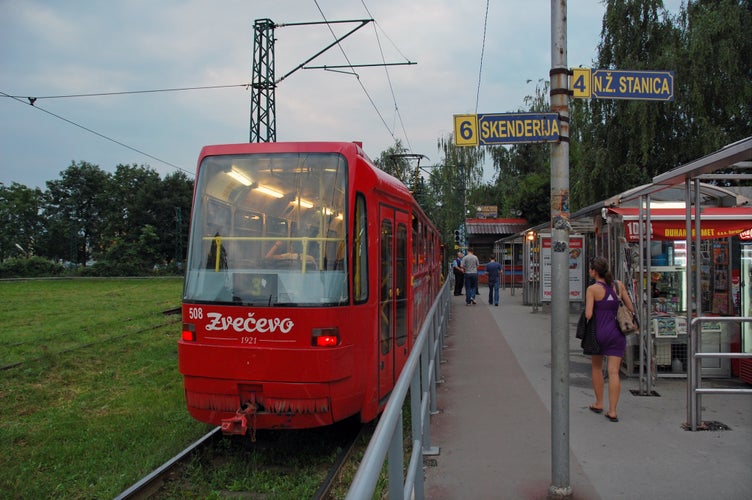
505, 128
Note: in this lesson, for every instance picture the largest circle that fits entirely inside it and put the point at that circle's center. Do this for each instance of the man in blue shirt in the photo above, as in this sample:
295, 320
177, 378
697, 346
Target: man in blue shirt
459, 275
493, 270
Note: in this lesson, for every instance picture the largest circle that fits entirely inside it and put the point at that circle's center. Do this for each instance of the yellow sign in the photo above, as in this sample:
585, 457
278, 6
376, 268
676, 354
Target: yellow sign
489, 129
466, 130
580, 83
622, 84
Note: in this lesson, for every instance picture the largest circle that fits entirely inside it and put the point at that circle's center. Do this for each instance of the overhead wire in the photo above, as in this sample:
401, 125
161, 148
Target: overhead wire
482, 52
31, 102
388, 78
126, 92
357, 76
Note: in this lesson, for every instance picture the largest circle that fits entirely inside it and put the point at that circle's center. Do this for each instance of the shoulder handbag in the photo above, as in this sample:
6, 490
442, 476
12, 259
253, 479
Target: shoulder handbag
586, 332
625, 319
581, 326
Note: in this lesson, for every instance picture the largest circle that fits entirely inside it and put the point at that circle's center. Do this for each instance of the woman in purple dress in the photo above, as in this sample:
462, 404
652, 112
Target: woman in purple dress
601, 302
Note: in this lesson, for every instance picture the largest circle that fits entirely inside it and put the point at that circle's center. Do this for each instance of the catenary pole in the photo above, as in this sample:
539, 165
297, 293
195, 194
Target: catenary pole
560, 226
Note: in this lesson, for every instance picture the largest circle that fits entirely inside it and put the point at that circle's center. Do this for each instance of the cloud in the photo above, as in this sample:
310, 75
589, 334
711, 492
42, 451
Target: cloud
82, 46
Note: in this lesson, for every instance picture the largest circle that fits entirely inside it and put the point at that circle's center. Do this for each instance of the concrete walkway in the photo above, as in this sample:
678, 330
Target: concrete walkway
494, 425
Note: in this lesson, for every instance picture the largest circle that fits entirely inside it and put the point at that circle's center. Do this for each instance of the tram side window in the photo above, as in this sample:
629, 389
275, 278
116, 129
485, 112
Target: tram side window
360, 250
423, 245
415, 243
401, 279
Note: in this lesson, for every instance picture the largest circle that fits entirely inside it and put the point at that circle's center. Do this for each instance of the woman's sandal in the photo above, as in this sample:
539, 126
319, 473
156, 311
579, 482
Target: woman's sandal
595, 409
613, 419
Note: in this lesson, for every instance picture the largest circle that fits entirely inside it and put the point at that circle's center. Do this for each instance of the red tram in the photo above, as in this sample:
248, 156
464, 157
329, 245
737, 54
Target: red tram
309, 274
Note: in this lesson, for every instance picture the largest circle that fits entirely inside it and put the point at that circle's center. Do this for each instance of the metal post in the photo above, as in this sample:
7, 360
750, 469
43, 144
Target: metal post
533, 266
263, 108
395, 461
511, 269
647, 358
560, 229
652, 367
641, 298
694, 335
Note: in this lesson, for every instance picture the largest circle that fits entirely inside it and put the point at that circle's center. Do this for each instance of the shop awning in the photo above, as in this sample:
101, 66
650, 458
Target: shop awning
670, 223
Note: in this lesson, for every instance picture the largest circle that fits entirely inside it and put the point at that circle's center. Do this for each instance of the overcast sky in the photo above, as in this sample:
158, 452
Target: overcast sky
56, 48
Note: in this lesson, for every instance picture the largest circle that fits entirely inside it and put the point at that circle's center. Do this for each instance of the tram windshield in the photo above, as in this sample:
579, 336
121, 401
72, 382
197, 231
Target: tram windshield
269, 230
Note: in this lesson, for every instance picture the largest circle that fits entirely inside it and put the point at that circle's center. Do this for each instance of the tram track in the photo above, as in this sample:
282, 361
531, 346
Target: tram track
156, 484
342, 459
151, 483
167, 313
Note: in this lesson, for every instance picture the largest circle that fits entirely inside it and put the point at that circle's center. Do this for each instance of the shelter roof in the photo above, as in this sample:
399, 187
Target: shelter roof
494, 226
734, 154
670, 223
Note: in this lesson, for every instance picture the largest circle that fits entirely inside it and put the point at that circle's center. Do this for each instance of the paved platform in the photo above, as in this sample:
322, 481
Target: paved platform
493, 429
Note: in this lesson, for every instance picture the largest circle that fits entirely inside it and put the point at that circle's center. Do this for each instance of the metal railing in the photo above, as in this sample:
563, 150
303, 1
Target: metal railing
420, 375
694, 368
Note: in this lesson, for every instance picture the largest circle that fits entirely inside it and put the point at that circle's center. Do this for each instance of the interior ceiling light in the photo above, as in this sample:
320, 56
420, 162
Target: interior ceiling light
239, 177
328, 211
303, 203
269, 191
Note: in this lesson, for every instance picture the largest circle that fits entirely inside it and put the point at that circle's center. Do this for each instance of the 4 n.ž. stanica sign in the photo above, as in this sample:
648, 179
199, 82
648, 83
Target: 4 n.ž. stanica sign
622, 84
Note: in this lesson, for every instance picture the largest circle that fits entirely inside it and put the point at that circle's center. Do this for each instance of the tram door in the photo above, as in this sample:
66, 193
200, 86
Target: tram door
393, 279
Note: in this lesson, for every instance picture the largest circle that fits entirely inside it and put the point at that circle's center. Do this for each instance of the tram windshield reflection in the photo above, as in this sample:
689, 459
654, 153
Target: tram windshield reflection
279, 217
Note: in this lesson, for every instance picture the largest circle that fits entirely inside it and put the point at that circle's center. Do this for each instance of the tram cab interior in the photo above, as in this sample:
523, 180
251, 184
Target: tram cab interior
269, 229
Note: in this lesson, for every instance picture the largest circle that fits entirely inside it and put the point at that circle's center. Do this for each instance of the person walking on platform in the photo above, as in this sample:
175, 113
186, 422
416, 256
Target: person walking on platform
601, 302
493, 270
459, 276
470, 266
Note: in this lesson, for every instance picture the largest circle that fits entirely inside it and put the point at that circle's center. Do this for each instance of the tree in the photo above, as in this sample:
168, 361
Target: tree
172, 210
519, 168
458, 173
522, 181
132, 257
716, 73
133, 192
20, 217
75, 208
129, 222
393, 162
620, 144
141, 202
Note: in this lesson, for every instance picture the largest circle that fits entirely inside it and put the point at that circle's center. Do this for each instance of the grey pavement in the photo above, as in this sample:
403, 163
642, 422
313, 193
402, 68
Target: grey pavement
493, 428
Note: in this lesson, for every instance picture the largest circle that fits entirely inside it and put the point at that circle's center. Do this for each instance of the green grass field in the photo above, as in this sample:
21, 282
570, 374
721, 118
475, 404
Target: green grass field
90, 394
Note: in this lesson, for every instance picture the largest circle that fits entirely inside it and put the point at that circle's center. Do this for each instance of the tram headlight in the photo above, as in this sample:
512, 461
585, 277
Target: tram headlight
325, 337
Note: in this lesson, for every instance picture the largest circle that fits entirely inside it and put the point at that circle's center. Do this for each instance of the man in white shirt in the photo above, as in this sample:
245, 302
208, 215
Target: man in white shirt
470, 267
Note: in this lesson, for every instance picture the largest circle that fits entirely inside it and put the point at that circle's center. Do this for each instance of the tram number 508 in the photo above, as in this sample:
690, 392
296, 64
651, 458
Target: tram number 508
195, 313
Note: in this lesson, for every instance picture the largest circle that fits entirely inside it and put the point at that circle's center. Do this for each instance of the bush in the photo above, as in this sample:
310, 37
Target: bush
33, 267
112, 269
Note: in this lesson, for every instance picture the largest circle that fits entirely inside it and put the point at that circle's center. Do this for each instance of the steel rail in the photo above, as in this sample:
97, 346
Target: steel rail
147, 481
